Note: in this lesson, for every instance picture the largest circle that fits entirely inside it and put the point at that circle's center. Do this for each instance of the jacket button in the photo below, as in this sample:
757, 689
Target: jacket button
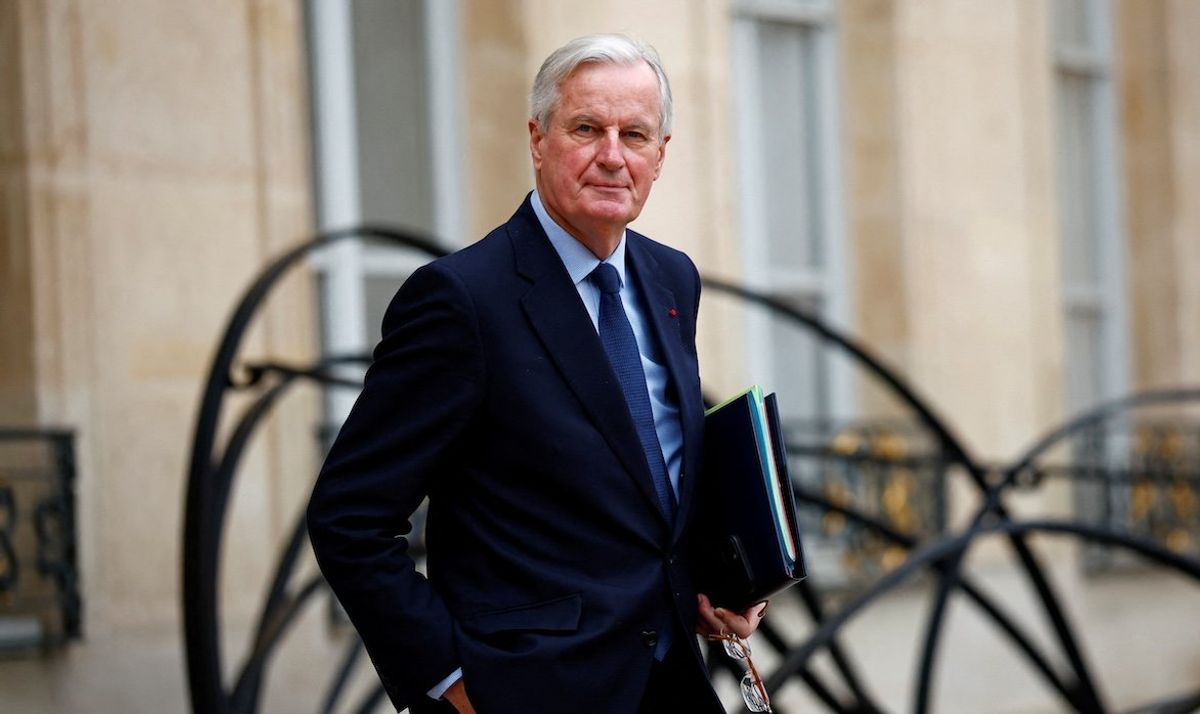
672, 560
650, 638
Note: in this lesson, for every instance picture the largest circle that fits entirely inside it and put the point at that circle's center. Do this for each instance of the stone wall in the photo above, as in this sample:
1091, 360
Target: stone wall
154, 155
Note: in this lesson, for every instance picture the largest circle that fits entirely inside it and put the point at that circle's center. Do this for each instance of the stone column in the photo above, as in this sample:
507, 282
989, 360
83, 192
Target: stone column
153, 156
1183, 77
873, 189
1148, 156
977, 195
17, 402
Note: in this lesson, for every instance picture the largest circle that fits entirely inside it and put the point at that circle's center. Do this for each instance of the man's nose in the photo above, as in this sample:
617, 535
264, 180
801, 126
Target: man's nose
609, 155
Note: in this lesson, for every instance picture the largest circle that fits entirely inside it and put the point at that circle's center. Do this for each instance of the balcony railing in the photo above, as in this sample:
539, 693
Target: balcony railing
889, 470
40, 604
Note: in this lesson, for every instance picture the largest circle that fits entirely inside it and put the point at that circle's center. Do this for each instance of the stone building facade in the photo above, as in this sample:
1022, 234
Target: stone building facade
996, 196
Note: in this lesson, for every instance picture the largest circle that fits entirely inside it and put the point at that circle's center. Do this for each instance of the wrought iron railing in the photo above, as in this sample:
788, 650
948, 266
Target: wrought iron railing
1134, 469
40, 603
877, 494
888, 469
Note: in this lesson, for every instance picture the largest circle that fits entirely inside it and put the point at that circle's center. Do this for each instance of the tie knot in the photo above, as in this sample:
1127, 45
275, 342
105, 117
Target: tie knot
606, 278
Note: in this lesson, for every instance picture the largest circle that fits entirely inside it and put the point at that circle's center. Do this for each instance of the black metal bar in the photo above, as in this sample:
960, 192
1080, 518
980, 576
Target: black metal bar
864, 702
950, 444
243, 697
1019, 638
353, 653
1006, 623
72, 600
1084, 696
319, 372
371, 701
948, 581
1096, 415
201, 516
810, 678
246, 689
1186, 704
1085, 688
249, 682
770, 633
946, 547
820, 691
10, 433
1110, 474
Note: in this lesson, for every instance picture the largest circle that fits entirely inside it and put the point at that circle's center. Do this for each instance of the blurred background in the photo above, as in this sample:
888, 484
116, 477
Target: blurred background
997, 198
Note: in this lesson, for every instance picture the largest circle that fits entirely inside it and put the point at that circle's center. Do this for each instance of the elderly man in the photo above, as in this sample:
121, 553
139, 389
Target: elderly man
540, 387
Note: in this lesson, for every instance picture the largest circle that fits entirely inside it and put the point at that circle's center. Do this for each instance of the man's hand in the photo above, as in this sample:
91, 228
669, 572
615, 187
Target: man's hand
457, 695
715, 621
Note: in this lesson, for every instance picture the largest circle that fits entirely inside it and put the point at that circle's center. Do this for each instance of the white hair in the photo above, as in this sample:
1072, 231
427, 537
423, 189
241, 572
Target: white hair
607, 49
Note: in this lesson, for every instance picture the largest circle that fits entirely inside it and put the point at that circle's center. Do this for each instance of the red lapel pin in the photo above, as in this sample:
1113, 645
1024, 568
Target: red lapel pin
672, 312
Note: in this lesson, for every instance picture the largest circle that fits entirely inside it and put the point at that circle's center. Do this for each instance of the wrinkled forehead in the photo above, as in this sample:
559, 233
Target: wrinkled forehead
627, 90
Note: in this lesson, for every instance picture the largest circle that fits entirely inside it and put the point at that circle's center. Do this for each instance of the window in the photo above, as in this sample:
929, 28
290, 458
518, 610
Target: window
1091, 224
786, 106
1090, 204
786, 113
385, 111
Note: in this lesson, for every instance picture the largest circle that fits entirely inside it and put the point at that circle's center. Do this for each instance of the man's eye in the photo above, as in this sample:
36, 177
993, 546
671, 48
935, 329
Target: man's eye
635, 135
584, 129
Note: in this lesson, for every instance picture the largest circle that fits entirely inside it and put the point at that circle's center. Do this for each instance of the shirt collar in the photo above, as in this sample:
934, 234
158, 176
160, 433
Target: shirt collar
579, 261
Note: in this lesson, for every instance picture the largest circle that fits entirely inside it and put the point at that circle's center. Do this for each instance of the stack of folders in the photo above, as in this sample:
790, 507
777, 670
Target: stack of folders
746, 538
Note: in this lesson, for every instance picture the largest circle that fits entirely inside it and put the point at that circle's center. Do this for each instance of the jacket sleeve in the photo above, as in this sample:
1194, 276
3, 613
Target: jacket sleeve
419, 395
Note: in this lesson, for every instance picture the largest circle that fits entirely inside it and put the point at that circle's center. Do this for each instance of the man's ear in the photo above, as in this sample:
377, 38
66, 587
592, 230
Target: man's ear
662, 155
535, 143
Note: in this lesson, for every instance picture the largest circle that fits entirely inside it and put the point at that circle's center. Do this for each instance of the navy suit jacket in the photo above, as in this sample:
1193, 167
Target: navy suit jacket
550, 567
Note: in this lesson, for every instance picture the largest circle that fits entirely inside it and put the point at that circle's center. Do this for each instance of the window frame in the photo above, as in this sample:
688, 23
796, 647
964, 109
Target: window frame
1104, 298
828, 284
343, 269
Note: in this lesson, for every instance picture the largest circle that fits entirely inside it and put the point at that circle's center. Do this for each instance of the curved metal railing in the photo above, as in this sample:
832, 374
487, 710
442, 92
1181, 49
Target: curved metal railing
211, 473
215, 461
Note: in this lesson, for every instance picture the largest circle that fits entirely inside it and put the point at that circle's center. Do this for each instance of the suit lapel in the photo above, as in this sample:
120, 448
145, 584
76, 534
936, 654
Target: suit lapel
561, 322
663, 316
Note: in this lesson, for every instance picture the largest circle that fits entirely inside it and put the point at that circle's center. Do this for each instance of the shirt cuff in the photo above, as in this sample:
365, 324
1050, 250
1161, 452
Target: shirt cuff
440, 688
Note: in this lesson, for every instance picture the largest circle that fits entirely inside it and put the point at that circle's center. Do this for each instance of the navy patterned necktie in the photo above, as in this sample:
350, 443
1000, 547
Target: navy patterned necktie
619, 343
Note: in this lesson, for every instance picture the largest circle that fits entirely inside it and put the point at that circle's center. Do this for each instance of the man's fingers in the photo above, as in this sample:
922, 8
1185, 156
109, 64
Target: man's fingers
735, 623
721, 620
709, 623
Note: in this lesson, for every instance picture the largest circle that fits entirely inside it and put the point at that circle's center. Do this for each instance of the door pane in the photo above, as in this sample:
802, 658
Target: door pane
787, 118
1078, 205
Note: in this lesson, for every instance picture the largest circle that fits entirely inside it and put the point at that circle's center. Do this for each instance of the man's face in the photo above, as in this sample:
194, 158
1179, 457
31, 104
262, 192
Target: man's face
600, 152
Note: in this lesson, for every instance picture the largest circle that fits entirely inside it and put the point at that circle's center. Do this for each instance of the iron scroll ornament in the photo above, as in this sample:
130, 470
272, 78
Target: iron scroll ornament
211, 472
213, 469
